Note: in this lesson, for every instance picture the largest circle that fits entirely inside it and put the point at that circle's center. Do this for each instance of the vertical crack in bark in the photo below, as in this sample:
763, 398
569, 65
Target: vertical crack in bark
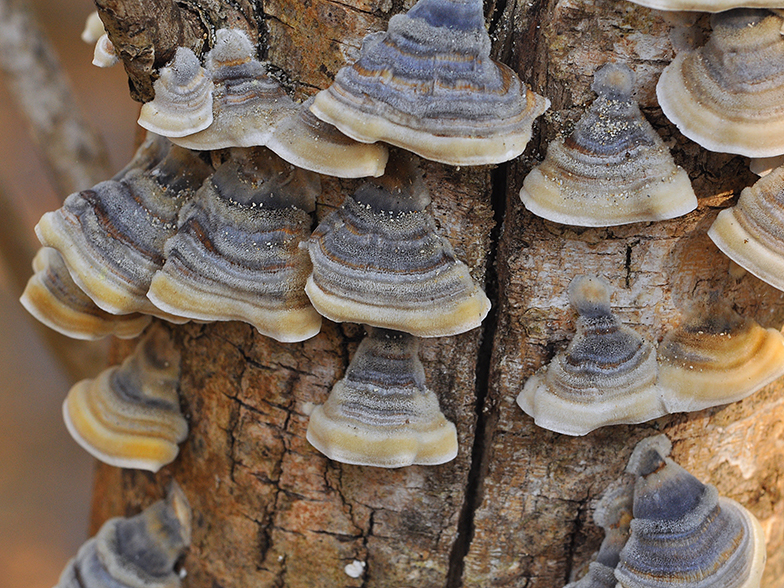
484, 413
261, 25
571, 548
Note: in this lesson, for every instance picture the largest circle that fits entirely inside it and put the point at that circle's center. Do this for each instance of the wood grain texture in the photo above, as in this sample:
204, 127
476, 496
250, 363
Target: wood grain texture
515, 507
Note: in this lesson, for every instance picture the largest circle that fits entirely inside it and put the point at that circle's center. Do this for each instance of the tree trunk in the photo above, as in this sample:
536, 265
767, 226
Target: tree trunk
515, 507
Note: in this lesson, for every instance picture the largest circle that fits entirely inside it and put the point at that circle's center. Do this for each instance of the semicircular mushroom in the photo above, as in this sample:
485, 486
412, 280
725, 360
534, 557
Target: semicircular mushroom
135, 552
378, 260
382, 413
428, 85
129, 415
613, 169
237, 254
606, 376
53, 298
707, 5
728, 95
717, 357
751, 233
683, 533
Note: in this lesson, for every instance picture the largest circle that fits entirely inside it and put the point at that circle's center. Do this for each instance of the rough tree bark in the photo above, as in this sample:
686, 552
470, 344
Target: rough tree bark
514, 508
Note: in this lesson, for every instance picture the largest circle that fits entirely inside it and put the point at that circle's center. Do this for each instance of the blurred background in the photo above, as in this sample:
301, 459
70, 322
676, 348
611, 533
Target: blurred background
45, 478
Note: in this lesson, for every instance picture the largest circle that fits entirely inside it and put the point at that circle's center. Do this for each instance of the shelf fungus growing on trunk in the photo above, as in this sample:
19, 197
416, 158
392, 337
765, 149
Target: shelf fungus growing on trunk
247, 103
135, 552
112, 236
129, 416
382, 413
752, 232
378, 260
53, 298
312, 144
717, 357
683, 533
428, 85
614, 515
707, 5
606, 376
728, 95
613, 169
183, 98
236, 254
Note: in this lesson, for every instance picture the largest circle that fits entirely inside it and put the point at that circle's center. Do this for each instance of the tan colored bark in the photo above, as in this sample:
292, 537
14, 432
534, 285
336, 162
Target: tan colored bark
514, 508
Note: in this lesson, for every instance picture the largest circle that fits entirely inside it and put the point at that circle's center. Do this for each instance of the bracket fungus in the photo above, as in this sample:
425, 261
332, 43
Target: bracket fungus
129, 416
683, 533
613, 169
707, 5
606, 376
236, 254
752, 232
728, 95
112, 236
717, 357
428, 85
247, 103
183, 98
382, 413
53, 298
378, 260
135, 552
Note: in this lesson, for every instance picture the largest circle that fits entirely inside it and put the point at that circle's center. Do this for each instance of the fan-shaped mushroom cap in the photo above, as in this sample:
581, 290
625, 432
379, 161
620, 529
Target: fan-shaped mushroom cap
53, 298
707, 5
752, 232
104, 54
135, 552
428, 85
236, 254
112, 236
382, 413
93, 28
717, 357
183, 98
378, 260
247, 102
613, 169
762, 166
312, 144
129, 416
683, 534
606, 376
728, 96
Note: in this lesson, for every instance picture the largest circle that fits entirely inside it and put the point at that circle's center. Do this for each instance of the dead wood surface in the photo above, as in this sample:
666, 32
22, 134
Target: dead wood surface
515, 507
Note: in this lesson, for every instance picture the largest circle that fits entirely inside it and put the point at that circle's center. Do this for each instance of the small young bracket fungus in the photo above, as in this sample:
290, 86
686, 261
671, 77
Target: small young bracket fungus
112, 236
236, 254
614, 515
707, 5
752, 232
129, 416
762, 166
606, 376
53, 298
312, 144
93, 28
378, 260
183, 98
428, 85
717, 357
104, 54
382, 413
683, 534
135, 552
728, 95
247, 103
613, 169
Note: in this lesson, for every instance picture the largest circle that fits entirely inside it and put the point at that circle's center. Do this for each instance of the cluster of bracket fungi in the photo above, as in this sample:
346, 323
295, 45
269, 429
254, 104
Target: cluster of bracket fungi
211, 221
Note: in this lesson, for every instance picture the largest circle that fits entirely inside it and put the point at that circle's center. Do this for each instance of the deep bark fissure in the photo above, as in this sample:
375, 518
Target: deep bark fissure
473, 495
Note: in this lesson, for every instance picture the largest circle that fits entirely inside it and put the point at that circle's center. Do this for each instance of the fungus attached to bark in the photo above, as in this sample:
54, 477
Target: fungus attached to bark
236, 254
728, 95
606, 376
135, 552
382, 413
428, 85
683, 533
613, 169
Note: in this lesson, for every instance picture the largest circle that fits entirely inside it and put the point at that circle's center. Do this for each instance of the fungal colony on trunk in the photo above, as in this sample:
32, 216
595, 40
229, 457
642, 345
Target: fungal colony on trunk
213, 220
